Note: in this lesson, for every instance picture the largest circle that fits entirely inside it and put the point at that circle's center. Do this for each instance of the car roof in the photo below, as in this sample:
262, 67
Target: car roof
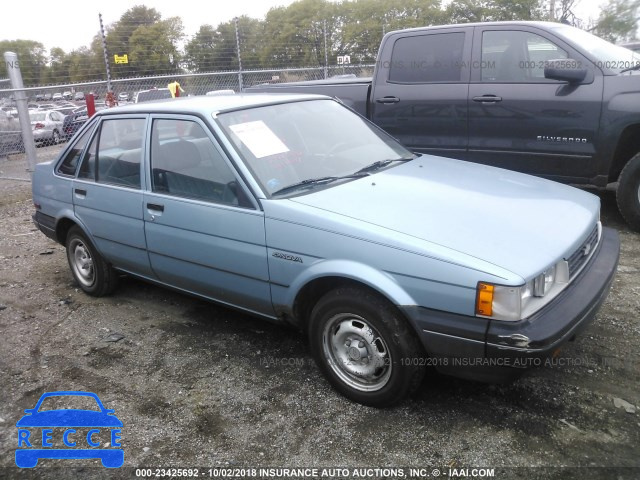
488, 24
206, 105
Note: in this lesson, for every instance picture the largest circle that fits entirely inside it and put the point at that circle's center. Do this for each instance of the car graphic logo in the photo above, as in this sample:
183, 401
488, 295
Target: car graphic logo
586, 250
63, 433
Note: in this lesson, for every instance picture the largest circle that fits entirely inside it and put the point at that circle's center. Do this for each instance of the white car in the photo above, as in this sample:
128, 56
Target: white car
47, 126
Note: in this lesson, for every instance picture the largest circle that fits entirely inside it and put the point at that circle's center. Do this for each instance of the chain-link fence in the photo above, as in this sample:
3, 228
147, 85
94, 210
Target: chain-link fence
57, 112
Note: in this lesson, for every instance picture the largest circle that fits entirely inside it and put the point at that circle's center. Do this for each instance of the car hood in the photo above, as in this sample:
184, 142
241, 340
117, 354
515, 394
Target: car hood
517, 222
69, 418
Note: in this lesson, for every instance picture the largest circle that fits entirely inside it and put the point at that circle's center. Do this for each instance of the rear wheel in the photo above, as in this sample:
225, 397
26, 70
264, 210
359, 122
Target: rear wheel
628, 194
94, 275
56, 137
364, 347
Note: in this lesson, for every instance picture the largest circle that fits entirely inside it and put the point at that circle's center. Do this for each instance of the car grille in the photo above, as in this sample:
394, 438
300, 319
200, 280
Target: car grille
583, 253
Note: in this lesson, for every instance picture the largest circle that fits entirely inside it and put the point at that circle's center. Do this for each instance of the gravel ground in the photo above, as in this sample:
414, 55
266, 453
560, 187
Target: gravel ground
197, 385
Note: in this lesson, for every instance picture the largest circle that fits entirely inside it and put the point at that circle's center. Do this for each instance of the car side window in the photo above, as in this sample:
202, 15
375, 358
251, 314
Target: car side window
434, 58
115, 153
70, 162
510, 56
185, 163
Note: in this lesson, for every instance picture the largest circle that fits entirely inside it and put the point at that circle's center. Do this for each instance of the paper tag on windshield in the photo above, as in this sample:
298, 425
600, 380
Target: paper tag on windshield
259, 138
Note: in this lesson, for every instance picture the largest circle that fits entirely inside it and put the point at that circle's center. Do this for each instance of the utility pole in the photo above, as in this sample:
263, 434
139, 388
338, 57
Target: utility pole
106, 54
326, 54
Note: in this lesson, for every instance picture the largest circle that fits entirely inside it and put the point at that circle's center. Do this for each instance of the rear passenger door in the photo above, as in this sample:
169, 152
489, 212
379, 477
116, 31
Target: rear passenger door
204, 233
107, 192
420, 90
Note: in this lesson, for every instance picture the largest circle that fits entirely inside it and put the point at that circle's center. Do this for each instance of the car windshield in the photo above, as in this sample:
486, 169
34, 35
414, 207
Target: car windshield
605, 54
311, 143
63, 402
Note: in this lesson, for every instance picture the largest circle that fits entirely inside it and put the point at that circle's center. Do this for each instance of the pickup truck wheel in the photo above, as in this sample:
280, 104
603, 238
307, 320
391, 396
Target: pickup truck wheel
628, 194
364, 347
94, 275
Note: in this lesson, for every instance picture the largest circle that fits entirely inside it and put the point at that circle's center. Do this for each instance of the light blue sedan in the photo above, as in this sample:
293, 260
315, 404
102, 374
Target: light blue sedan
297, 210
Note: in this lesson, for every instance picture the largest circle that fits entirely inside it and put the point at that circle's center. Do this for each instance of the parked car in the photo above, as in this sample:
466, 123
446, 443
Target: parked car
67, 95
536, 97
10, 135
47, 106
77, 118
57, 97
47, 126
297, 210
47, 97
123, 97
78, 96
39, 97
152, 94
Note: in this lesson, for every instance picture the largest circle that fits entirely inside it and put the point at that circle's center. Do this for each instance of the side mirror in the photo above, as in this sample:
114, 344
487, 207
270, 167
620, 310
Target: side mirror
566, 70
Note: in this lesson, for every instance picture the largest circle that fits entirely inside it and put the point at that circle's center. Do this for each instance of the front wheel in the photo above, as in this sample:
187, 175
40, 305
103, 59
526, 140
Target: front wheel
628, 194
364, 347
94, 275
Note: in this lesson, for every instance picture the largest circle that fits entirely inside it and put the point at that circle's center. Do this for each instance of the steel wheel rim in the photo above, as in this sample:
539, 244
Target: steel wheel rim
81, 262
356, 352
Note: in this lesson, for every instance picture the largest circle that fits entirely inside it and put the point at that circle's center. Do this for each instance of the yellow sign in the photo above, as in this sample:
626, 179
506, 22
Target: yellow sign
121, 58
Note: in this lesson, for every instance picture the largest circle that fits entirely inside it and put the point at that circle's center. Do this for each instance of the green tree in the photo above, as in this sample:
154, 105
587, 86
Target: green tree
32, 58
153, 49
463, 11
618, 20
119, 37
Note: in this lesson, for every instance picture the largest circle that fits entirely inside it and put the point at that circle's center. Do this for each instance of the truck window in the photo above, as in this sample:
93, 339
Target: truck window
435, 58
514, 56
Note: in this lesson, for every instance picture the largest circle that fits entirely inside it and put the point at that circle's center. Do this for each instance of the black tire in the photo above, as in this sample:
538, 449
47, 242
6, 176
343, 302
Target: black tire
628, 193
390, 346
94, 275
55, 139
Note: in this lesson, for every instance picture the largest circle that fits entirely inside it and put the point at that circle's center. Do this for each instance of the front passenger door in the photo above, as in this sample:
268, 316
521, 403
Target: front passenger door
520, 120
204, 233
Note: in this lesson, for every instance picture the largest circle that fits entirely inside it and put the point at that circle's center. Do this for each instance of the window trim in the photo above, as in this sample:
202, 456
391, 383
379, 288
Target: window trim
476, 56
96, 135
216, 143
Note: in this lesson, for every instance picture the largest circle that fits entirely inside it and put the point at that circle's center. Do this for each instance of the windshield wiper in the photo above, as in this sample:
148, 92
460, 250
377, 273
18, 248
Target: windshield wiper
317, 181
381, 164
631, 69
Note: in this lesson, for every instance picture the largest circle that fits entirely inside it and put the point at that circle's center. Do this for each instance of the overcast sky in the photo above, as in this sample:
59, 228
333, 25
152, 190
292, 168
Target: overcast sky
72, 24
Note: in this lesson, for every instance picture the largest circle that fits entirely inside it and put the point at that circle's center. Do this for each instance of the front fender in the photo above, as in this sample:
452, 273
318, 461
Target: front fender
348, 269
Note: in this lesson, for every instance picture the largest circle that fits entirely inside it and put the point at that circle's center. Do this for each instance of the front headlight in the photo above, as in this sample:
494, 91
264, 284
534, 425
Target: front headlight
513, 303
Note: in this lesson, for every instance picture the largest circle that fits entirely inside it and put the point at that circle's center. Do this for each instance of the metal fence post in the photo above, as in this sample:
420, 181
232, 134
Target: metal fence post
235, 20
13, 68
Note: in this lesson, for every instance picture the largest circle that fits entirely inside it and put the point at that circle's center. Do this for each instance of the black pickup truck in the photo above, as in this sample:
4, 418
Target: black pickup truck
541, 98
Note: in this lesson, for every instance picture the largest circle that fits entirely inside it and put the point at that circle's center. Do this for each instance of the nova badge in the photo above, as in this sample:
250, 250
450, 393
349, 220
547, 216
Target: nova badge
286, 256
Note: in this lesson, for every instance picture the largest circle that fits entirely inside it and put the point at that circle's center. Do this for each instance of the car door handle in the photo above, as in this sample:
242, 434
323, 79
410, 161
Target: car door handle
155, 207
387, 100
80, 193
487, 99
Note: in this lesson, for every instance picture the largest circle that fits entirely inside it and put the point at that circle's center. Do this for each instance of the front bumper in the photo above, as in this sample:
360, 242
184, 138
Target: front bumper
494, 351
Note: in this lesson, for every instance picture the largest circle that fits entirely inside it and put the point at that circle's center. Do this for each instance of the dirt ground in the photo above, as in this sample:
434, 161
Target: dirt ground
197, 385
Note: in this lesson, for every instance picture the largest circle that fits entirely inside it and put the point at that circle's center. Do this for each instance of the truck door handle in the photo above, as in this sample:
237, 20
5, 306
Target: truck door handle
155, 207
487, 99
387, 100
